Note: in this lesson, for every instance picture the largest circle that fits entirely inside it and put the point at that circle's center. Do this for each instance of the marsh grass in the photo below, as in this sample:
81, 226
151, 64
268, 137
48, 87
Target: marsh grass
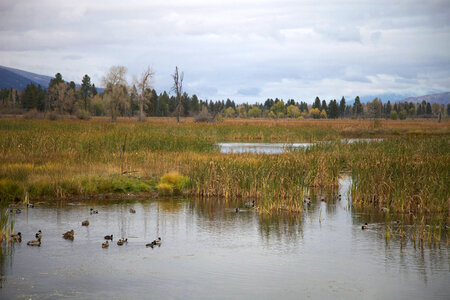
407, 172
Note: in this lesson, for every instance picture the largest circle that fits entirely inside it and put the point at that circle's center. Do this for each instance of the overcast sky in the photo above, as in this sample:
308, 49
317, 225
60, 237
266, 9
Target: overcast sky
247, 50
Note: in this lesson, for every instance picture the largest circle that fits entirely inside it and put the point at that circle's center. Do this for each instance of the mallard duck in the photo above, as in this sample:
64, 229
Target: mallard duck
120, 242
105, 244
35, 242
109, 237
132, 211
92, 211
250, 204
69, 235
365, 226
157, 241
396, 222
16, 237
85, 223
38, 234
237, 209
18, 210
150, 245
30, 205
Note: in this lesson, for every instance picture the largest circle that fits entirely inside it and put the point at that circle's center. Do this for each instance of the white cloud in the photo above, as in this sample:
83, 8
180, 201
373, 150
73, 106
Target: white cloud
246, 50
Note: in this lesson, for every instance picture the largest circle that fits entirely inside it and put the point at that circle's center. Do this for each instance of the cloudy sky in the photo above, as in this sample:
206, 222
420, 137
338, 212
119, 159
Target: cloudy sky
247, 50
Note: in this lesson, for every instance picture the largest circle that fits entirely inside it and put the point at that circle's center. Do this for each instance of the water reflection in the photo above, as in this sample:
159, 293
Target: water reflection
319, 253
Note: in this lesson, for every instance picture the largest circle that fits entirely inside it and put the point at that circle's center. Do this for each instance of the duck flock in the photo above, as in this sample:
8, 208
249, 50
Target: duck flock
69, 235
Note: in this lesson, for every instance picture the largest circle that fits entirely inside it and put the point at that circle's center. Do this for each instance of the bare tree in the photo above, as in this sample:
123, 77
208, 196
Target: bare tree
144, 83
116, 89
178, 87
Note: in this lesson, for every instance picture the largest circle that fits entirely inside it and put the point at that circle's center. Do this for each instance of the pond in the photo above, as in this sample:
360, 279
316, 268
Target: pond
210, 251
276, 148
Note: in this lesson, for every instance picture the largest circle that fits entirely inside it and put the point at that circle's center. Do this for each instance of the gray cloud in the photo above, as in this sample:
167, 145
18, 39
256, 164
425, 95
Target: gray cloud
253, 50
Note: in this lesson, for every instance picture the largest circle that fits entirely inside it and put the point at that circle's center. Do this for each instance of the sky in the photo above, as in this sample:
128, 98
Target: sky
246, 50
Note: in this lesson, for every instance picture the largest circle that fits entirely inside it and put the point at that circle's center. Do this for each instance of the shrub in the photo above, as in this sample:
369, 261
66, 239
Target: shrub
32, 114
52, 116
172, 182
83, 114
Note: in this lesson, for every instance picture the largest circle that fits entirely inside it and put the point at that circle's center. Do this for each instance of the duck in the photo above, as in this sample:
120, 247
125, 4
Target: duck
69, 235
237, 209
34, 242
105, 244
92, 211
109, 237
132, 211
16, 237
85, 223
150, 245
396, 222
18, 211
157, 241
38, 234
250, 204
120, 242
30, 205
365, 226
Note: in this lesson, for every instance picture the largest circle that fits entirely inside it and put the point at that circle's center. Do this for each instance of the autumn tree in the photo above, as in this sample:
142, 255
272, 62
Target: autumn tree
178, 88
116, 90
144, 90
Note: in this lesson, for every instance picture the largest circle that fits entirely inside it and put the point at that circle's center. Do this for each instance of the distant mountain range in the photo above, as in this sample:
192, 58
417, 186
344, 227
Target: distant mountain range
441, 98
18, 79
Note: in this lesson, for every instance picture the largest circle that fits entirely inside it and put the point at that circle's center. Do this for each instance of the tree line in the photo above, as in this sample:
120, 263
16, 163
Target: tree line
139, 98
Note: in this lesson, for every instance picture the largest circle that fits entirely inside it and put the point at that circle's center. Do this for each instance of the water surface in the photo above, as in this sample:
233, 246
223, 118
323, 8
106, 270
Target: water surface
209, 251
276, 148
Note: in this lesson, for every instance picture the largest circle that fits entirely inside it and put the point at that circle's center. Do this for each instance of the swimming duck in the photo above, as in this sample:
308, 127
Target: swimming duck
92, 211
69, 235
396, 222
38, 234
18, 210
365, 226
85, 223
16, 237
132, 211
250, 204
105, 244
109, 237
157, 241
30, 205
237, 209
35, 242
150, 245
120, 242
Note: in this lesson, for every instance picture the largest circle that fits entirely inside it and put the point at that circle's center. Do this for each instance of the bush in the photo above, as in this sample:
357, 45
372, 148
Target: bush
172, 183
32, 114
52, 116
83, 114
203, 116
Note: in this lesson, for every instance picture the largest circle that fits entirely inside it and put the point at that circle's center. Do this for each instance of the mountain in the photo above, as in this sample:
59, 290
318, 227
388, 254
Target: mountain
18, 79
441, 98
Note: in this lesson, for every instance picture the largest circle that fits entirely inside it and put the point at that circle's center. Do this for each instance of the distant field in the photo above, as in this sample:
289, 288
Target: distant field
408, 171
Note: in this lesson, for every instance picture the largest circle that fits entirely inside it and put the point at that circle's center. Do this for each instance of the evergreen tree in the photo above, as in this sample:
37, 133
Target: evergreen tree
342, 107
388, 109
428, 111
316, 103
85, 90
357, 107
324, 106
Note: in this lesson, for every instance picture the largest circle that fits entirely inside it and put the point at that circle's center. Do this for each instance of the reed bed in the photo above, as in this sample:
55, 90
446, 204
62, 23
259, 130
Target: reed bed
407, 172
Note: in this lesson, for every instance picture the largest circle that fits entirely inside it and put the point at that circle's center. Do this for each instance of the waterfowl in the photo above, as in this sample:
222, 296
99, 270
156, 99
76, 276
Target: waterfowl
120, 242
85, 223
250, 204
92, 211
30, 205
150, 245
158, 241
396, 222
18, 210
38, 234
323, 200
69, 235
132, 211
365, 226
34, 242
109, 237
384, 209
105, 244
16, 237
237, 209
